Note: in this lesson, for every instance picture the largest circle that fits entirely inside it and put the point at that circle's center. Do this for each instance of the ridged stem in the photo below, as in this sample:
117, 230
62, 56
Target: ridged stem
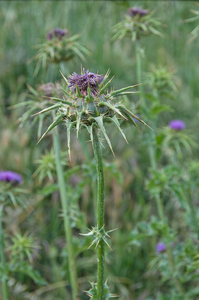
2, 258
139, 72
100, 213
193, 211
65, 208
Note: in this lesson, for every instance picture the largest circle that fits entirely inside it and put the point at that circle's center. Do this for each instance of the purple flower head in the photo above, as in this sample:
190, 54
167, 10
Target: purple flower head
177, 125
84, 81
134, 11
57, 32
160, 247
9, 176
49, 36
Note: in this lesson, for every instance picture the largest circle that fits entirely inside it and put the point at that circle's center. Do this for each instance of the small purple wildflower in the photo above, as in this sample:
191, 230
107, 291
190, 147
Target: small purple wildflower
10, 176
134, 11
160, 247
84, 81
177, 125
57, 32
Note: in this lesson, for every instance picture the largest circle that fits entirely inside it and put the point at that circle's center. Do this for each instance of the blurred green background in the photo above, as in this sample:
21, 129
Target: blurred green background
24, 25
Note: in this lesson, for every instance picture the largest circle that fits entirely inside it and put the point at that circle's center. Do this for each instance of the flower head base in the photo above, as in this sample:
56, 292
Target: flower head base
57, 33
84, 82
160, 247
138, 22
86, 102
9, 176
134, 11
177, 125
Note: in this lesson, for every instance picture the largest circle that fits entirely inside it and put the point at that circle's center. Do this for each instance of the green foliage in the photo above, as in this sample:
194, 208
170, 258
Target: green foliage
132, 186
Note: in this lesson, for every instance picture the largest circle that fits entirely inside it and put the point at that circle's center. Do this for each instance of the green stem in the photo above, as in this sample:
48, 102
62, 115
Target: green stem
168, 249
139, 72
100, 213
193, 211
2, 258
65, 208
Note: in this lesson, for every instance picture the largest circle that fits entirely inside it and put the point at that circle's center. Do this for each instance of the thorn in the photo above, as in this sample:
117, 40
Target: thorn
108, 244
112, 230
97, 244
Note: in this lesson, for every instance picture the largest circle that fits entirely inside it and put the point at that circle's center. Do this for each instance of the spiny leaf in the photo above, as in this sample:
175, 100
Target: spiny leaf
105, 86
90, 131
78, 92
79, 115
69, 126
115, 93
47, 109
33, 91
55, 123
128, 112
63, 90
64, 78
99, 121
115, 120
108, 104
63, 101
89, 97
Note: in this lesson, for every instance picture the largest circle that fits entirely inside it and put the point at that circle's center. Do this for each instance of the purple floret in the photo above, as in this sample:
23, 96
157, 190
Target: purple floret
10, 176
49, 36
177, 125
160, 247
57, 32
84, 81
134, 11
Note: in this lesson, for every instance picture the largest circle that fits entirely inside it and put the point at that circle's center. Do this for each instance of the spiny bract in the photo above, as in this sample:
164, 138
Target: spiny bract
87, 103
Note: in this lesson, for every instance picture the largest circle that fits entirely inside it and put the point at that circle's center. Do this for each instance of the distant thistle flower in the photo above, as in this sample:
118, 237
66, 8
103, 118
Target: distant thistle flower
134, 11
57, 32
138, 22
9, 176
59, 47
88, 103
49, 89
177, 125
160, 247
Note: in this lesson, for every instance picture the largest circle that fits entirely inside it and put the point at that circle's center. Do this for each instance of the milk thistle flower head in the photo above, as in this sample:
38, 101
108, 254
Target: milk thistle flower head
9, 176
138, 22
134, 11
57, 33
177, 125
59, 47
160, 247
86, 102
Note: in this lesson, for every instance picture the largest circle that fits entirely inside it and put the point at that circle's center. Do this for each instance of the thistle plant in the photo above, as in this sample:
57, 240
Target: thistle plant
176, 140
137, 24
87, 103
59, 47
